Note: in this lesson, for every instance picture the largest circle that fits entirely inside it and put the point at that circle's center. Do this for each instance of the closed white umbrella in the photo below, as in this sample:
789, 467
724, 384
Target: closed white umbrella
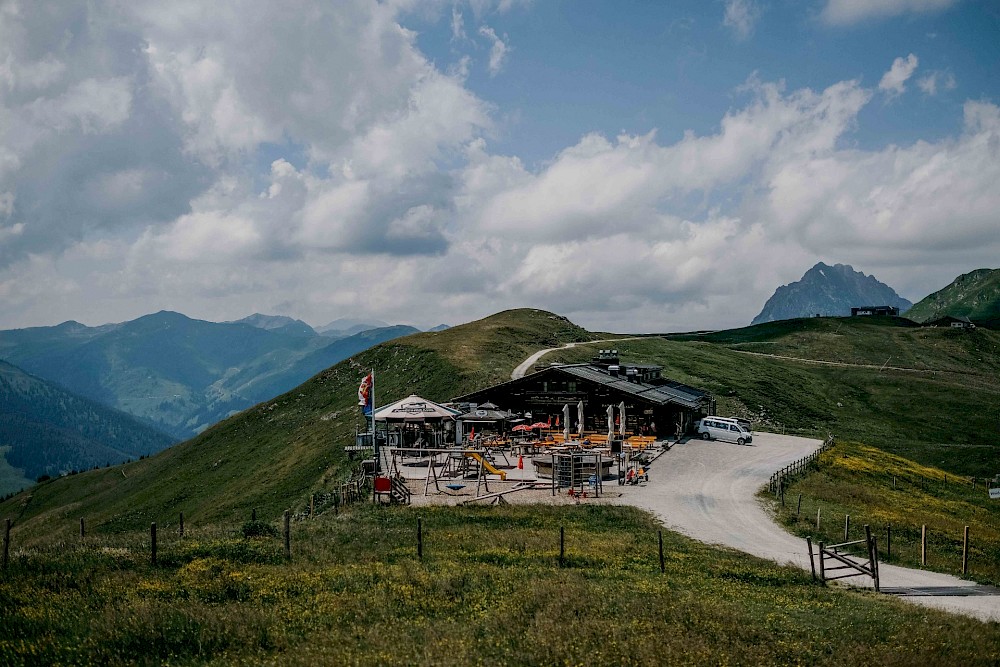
566, 423
621, 415
611, 421
579, 412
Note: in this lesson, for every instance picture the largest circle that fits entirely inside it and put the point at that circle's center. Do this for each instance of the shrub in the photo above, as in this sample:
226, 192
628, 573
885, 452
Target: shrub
258, 529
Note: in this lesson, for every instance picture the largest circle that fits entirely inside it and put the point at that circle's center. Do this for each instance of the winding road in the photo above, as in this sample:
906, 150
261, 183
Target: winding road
707, 490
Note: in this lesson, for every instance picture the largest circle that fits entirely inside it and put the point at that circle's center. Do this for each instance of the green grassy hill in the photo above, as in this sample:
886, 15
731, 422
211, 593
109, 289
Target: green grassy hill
489, 588
975, 295
942, 410
275, 454
278, 452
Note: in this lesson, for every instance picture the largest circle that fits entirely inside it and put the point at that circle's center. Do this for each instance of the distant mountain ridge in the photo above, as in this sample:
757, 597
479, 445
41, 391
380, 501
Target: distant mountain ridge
46, 430
179, 373
280, 323
829, 291
975, 295
348, 326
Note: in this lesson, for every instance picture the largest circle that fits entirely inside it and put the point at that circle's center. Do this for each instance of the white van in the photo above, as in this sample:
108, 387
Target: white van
724, 428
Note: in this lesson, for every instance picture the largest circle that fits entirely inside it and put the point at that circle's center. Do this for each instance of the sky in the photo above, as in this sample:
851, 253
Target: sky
633, 166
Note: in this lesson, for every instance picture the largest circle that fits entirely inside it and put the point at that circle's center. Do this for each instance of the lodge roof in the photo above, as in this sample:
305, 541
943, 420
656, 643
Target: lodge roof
661, 394
666, 393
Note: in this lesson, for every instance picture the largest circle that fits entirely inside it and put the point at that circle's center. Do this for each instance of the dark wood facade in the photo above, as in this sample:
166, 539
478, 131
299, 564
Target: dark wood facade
658, 407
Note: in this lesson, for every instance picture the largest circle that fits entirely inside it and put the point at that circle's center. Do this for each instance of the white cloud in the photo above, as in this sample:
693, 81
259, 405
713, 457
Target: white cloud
848, 12
498, 49
457, 25
893, 82
390, 199
741, 17
934, 82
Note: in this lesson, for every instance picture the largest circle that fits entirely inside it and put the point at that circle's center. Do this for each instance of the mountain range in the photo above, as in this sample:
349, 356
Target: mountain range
47, 431
828, 291
180, 374
290, 448
975, 295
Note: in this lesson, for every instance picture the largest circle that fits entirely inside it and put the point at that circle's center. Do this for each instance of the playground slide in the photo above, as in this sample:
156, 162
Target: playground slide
486, 464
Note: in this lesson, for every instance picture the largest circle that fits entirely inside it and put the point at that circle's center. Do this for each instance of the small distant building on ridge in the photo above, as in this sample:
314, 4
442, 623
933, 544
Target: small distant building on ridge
952, 321
887, 311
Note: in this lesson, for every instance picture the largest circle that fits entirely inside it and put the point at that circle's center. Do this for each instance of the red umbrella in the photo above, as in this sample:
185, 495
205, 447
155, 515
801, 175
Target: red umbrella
539, 425
521, 427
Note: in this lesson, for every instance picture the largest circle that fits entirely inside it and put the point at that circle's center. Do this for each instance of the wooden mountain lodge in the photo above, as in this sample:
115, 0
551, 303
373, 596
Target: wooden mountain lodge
654, 405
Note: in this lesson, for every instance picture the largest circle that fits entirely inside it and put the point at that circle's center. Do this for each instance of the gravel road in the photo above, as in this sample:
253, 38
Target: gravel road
707, 490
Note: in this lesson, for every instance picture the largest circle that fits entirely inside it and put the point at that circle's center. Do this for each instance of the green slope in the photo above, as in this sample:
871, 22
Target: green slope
276, 453
975, 295
46, 430
943, 413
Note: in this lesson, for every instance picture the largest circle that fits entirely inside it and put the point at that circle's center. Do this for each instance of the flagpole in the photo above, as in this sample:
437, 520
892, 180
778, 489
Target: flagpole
374, 440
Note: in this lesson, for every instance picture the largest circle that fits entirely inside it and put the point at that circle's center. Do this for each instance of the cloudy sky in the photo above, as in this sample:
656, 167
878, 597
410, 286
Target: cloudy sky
634, 166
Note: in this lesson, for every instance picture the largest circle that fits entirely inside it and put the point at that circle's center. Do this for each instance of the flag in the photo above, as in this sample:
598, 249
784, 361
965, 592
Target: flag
365, 394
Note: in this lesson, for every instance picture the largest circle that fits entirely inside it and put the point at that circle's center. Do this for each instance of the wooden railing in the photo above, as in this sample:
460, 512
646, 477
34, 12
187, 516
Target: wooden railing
844, 563
780, 479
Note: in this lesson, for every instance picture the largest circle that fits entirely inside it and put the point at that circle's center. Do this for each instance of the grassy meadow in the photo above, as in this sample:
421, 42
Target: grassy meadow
884, 490
943, 413
489, 590
275, 455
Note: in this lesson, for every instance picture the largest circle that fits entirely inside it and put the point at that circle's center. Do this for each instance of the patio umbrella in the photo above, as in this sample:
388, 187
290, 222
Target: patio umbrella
539, 425
579, 412
611, 421
621, 415
566, 423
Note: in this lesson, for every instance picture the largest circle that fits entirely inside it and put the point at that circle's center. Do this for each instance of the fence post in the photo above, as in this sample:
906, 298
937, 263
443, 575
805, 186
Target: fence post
923, 545
562, 545
819, 510
798, 507
336, 503
893, 481
420, 538
83, 529
812, 563
6, 544
152, 543
847, 527
180, 526
888, 542
663, 567
554, 478
288, 534
872, 555
965, 552
822, 567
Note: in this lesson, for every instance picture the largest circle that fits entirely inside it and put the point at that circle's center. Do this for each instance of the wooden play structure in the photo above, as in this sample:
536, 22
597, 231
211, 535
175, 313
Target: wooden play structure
454, 468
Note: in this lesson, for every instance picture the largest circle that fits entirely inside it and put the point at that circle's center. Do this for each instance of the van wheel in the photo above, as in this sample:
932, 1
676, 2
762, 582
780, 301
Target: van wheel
741, 441
704, 436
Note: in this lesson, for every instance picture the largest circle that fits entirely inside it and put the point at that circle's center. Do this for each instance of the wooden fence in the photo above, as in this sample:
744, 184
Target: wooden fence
843, 563
779, 480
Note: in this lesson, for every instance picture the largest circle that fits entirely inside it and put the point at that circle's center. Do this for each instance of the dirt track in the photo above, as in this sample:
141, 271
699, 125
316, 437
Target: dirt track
707, 490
